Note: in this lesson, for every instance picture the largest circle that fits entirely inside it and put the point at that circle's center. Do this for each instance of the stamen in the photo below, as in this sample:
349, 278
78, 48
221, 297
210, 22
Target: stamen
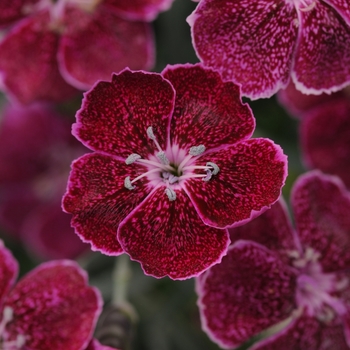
216, 169
170, 193
208, 176
132, 158
196, 150
151, 135
163, 158
127, 183
173, 179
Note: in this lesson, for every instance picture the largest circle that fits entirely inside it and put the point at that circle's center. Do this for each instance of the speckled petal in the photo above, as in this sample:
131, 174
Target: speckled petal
98, 200
28, 64
139, 9
168, 237
321, 207
115, 115
106, 44
306, 333
342, 7
8, 272
322, 31
249, 291
250, 179
207, 110
271, 229
54, 308
249, 42
13, 10
325, 138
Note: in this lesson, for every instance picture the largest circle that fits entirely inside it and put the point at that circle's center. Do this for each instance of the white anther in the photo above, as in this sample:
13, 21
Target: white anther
132, 158
215, 170
127, 183
173, 179
165, 175
196, 150
163, 158
170, 193
150, 133
209, 175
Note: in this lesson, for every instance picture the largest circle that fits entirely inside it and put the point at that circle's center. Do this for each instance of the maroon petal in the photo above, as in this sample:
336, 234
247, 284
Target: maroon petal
168, 237
325, 138
342, 7
13, 10
8, 272
54, 308
306, 333
106, 44
115, 116
28, 63
250, 179
47, 234
207, 110
98, 200
321, 208
247, 41
316, 70
298, 104
271, 229
139, 9
249, 291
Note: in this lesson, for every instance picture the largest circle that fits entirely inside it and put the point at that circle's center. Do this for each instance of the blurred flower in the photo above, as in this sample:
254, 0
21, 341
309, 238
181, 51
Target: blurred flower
65, 43
324, 129
173, 166
36, 149
52, 307
274, 277
262, 44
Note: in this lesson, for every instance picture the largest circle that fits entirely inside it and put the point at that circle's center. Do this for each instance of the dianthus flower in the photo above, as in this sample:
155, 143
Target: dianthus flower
173, 167
294, 283
261, 44
324, 129
36, 149
52, 307
55, 45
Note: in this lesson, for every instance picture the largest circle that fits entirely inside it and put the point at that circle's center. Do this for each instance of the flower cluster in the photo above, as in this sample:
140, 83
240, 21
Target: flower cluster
57, 45
262, 44
173, 178
52, 307
294, 282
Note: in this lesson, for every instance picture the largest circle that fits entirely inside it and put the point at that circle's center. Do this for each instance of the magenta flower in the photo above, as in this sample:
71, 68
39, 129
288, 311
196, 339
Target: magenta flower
65, 43
272, 276
36, 149
52, 307
324, 130
262, 44
173, 167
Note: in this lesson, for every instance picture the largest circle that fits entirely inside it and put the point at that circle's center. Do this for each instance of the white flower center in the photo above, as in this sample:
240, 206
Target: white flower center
20, 340
171, 167
316, 290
